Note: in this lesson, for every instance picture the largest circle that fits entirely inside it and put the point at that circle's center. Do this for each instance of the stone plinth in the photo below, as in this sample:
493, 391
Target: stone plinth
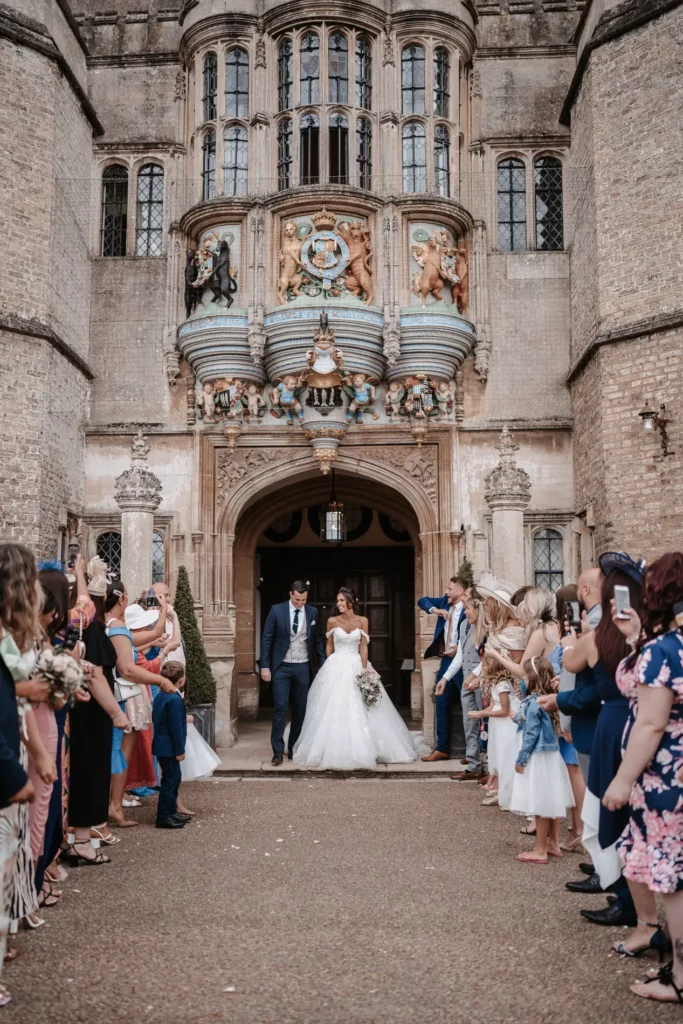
138, 495
508, 492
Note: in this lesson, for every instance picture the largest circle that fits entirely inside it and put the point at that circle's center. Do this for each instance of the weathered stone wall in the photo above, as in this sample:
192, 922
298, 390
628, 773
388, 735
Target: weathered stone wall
584, 245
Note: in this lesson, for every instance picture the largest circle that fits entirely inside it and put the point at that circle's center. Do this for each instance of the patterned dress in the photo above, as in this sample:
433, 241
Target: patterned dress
652, 843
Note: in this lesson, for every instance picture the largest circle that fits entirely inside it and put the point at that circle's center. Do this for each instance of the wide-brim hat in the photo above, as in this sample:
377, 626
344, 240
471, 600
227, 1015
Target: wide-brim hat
500, 590
619, 561
138, 617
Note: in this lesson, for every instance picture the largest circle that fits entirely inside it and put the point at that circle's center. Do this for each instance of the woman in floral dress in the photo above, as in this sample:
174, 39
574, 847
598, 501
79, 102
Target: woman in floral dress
651, 773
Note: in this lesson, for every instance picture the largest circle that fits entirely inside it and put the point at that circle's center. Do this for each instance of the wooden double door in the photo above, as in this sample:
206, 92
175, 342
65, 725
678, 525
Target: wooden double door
384, 581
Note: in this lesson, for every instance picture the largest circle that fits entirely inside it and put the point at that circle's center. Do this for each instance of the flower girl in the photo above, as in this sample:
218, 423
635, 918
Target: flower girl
541, 783
502, 732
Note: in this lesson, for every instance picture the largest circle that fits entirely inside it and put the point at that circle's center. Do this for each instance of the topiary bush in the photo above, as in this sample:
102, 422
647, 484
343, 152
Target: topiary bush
199, 682
466, 572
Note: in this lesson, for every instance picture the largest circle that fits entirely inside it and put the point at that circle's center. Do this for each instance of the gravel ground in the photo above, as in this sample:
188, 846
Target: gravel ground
383, 901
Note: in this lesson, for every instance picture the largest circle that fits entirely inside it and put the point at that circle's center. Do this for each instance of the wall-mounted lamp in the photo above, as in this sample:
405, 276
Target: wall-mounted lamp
657, 421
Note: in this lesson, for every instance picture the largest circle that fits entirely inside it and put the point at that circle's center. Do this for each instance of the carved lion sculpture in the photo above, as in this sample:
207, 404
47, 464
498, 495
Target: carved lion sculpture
429, 280
459, 290
359, 274
290, 263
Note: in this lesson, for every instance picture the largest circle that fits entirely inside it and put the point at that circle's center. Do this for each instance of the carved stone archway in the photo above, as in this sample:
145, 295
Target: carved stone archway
243, 489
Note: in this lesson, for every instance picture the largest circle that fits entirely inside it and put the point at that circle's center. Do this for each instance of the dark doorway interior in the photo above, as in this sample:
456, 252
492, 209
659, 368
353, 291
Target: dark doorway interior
384, 580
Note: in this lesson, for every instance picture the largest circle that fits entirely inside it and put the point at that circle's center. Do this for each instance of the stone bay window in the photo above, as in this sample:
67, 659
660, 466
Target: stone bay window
284, 153
339, 149
209, 164
237, 83
285, 75
309, 62
236, 152
309, 149
114, 211
426, 144
210, 80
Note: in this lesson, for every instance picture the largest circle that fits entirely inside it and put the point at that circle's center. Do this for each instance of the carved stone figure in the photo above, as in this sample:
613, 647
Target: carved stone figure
192, 292
228, 392
459, 288
206, 402
252, 400
290, 263
394, 397
437, 259
444, 392
223, 281
360, 389
324, 374
359, 274
285, 398
419, 401
205, 267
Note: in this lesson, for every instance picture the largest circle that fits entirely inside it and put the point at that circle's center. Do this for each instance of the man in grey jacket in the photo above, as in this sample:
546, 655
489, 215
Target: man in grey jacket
467, 658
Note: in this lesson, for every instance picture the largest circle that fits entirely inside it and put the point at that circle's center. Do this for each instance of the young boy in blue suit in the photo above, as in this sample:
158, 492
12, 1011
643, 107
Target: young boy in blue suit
170, 734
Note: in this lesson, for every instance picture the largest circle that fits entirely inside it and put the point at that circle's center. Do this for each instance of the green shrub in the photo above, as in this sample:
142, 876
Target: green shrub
199, 682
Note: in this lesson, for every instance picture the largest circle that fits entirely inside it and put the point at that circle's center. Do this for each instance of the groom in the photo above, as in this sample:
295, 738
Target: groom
291, 637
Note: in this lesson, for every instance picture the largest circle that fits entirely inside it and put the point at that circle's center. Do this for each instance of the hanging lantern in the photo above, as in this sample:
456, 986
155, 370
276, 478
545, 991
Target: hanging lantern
333, 519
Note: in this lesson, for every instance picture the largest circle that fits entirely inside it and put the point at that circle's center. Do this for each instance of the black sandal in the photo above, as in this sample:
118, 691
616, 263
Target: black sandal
77, 859
664, 976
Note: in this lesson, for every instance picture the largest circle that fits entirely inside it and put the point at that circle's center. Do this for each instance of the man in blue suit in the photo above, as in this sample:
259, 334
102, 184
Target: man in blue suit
449, 612
291, 639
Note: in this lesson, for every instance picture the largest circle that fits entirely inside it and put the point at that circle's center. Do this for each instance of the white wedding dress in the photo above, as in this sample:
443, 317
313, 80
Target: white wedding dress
339, 731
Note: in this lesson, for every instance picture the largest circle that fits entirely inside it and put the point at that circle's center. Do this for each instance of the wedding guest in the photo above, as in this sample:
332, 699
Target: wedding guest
505, 703
175, 649
148, 629
170, 735
471, 636
651, 845
449, 612
541, 784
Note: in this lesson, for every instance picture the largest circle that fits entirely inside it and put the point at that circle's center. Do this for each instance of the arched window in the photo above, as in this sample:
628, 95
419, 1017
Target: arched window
109, 550
310, 68
210, 86
237, 83
235, 159
338, 68
209, 165
364, 152
158, 558
442, 68
114, 210
413, 80
309, 149
511, 205
363, 73
339, 149
284, 153
548, 561
149, 225
285, 75
414, 158
442, 158
549, 220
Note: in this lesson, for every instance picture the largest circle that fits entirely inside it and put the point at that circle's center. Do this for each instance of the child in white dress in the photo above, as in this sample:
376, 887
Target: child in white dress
541, 783
502, 732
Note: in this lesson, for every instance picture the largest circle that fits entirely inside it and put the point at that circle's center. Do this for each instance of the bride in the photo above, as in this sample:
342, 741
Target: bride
338, 730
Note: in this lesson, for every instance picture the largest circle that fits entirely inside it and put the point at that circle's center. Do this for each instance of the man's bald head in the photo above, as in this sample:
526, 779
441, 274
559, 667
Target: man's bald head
162, 590
589, 588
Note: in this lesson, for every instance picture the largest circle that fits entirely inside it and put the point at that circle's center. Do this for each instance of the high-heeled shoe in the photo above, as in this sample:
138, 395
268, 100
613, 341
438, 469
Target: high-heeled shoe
33, 921
658, 942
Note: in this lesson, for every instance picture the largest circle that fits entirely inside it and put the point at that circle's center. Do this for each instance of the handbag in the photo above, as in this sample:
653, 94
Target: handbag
123, 690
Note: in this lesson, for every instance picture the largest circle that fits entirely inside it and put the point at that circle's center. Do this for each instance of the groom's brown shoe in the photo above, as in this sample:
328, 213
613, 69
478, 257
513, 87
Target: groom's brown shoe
277, 759
436, 755
467, 776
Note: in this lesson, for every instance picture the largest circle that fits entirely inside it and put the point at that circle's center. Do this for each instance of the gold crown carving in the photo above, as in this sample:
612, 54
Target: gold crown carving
324, 221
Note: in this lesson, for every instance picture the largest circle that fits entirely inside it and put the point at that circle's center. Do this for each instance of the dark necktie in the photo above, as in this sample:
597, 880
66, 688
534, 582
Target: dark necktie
296, 621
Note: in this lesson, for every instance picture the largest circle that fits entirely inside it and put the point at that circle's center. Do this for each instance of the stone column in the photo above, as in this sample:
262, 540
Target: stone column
138, 495
508, 492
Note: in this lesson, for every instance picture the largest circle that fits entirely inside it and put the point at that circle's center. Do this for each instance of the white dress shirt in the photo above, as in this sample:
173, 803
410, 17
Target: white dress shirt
302, 617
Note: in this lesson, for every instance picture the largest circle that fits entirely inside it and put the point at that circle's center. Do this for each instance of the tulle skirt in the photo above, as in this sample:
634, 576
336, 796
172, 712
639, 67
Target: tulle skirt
544, 788
503, 746
339, 732
200, 760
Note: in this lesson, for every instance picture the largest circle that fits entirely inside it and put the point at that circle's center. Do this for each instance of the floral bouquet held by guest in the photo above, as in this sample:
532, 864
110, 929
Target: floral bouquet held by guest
65, 676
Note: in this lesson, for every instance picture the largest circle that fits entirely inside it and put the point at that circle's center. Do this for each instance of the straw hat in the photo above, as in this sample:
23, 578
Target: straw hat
499, 590
98, 577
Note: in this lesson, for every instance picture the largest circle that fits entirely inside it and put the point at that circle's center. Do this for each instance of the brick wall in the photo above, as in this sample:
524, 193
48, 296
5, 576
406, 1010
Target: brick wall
583, 252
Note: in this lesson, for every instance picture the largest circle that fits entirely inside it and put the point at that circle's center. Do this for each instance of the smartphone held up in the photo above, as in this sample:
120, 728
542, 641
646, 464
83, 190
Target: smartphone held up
622, 601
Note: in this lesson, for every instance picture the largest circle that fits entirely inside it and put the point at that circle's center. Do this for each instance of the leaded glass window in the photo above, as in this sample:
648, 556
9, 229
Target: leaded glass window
158, 558
209, 165
210, 86
284, 153
338, 68
548, 560
309, 149
413, 80
109, 550
235, 158
414, 158
511, 205
237, 83
285, 75
442, 156
442, 68
310, 68
149, 227
364, 152
549, 219
339, 149
364, 73
114, 210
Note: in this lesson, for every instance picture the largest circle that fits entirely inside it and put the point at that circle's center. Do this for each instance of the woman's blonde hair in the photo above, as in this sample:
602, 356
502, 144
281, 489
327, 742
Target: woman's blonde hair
497, 615
19, 594
539, 675
538, 606
476, 602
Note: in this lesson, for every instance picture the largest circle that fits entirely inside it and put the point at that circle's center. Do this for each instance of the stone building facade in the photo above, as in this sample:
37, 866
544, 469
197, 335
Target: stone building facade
280, 239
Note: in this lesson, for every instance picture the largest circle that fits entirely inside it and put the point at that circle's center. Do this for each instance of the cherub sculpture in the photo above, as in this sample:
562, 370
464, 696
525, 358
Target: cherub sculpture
206, 402
359, 273
290, 263
444, 392
253, 402
285, 398
394, 396
360, 389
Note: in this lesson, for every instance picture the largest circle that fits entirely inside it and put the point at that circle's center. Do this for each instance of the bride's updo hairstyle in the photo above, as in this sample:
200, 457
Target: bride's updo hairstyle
350, 596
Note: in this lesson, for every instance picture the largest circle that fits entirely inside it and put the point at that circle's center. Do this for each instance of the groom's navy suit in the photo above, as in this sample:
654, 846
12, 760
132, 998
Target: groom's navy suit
290, 679
436, 649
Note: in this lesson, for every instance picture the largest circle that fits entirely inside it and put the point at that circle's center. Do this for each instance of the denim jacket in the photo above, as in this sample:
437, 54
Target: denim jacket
538, 733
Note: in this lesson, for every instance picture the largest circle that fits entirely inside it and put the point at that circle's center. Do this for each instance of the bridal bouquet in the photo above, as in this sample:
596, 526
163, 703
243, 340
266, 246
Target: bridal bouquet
369, 685
64, 674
